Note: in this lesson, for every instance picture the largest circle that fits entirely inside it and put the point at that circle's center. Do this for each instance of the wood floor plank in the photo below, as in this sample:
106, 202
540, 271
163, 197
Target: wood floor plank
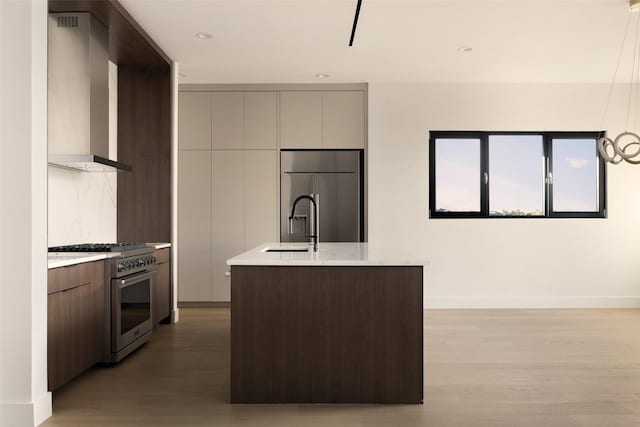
482, 368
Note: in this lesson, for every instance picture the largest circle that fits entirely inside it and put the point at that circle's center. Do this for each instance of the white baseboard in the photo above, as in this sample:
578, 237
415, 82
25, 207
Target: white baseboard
532, 302
175, 315
23, 414
42, 408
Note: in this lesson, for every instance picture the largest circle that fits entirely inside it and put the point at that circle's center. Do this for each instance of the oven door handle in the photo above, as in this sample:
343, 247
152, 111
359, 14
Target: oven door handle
123, 283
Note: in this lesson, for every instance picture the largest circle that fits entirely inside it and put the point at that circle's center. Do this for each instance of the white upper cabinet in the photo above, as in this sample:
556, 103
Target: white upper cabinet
322, 119
228, 120
194, 120
343, 119
300, 119
261, 120
249, 120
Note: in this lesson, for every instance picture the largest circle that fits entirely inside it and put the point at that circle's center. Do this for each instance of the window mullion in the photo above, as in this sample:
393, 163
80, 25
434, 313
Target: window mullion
484, 175
548, 183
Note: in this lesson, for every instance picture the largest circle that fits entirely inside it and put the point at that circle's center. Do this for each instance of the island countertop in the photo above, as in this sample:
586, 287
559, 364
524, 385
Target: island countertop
329, 253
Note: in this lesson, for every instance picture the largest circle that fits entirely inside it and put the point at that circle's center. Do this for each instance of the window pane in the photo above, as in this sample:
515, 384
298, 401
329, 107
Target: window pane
575, 175
457, 175
516, 175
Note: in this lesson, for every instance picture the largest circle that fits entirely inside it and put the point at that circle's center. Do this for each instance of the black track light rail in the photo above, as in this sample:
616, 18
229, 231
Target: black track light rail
355, 23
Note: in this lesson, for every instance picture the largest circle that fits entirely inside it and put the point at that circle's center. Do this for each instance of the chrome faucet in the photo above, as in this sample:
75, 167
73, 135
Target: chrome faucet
315, 218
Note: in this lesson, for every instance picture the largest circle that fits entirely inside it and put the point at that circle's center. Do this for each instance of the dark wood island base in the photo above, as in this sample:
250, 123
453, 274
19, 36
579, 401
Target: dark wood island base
326, 334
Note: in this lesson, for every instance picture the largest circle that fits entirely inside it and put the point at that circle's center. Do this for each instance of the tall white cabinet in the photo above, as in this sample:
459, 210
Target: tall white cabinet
228, 177
228, 215
227, 185
194, 227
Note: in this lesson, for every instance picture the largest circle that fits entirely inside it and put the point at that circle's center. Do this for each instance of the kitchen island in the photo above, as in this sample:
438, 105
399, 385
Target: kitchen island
341, 325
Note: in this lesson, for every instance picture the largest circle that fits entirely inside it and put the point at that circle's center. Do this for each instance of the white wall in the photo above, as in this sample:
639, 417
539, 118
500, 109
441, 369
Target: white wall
83, 206
24, 399
501, 262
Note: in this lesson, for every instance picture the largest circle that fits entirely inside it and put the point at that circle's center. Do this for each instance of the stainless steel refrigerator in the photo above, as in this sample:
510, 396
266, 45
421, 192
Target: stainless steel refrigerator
334, 179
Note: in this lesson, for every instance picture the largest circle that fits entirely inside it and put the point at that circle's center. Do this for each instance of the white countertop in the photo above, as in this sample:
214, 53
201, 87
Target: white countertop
328, 254
65, 259
159, 245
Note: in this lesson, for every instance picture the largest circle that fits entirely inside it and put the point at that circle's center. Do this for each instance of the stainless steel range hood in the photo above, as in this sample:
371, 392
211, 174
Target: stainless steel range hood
79, 94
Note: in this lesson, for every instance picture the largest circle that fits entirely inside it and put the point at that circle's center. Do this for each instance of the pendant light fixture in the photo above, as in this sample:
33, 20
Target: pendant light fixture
626, 145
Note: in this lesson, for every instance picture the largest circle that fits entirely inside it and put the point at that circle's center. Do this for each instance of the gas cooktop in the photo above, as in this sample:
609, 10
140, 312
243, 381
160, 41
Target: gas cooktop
98, 247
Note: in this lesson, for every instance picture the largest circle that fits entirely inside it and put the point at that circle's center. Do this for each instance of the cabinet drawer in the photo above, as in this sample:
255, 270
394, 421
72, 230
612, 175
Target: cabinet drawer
69, 277
76, 322
162, 255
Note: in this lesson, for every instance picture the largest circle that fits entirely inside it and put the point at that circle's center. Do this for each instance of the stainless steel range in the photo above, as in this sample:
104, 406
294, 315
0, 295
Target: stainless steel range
129, 291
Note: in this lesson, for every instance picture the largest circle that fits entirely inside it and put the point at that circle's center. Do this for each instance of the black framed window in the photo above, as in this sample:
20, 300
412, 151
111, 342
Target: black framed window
516, 174
459, 165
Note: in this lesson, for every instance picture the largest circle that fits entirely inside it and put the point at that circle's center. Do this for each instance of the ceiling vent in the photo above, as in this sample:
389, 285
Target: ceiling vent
67, 21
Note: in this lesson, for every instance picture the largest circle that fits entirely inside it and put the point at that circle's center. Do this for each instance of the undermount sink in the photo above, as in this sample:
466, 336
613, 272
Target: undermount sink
286, 250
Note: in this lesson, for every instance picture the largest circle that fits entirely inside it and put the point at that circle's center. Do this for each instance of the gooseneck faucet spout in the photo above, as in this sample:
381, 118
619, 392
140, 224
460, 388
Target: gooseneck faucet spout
314, 236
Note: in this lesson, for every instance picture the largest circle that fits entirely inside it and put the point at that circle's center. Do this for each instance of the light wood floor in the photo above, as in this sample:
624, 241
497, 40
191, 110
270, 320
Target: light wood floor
482, 368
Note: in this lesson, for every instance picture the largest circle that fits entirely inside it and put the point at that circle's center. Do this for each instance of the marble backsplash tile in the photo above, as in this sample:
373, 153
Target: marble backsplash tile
82, 207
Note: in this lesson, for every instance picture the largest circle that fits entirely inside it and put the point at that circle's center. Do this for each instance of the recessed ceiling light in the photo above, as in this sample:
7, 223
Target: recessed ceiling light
204, 36
465, 49
322, 76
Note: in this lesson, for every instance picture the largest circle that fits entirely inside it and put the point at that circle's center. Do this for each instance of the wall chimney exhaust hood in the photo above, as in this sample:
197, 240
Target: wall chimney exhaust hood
78, 104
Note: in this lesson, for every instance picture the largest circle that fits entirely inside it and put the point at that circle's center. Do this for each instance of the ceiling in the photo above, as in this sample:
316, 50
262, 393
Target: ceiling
268, 41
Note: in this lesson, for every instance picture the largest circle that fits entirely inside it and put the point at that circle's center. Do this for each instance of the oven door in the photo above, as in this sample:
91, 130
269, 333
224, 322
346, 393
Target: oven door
131, 308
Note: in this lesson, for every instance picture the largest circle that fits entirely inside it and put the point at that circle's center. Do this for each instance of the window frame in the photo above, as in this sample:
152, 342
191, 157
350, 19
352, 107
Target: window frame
547, 138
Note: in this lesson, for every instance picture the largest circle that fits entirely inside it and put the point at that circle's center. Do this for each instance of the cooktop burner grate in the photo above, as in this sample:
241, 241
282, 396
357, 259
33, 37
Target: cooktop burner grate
98, 247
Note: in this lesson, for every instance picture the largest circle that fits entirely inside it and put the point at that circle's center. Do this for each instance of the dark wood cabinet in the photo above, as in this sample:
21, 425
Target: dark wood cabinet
144, 121
76, 321
326, 334
144, 142
162, 286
